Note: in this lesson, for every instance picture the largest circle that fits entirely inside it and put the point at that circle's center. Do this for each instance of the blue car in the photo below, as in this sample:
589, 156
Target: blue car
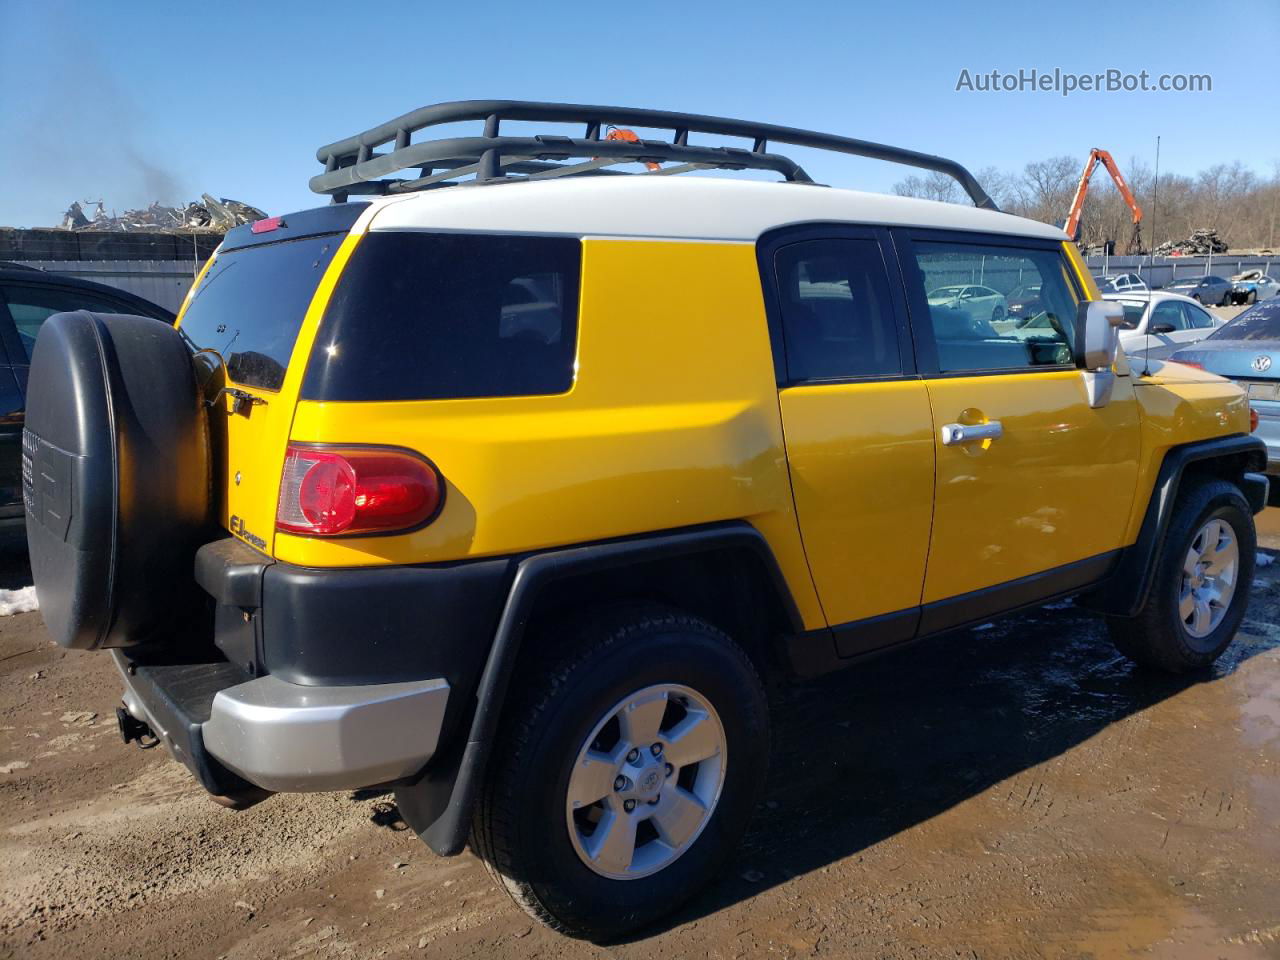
1247, 350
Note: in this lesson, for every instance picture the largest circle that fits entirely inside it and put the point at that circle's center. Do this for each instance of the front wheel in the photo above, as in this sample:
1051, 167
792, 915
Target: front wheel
625, 773
1200, 585
997, 314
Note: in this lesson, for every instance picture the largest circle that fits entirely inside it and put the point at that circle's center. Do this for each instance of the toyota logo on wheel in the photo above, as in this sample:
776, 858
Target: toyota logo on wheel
1262, 364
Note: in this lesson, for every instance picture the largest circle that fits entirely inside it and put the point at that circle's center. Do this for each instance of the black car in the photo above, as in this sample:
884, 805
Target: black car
28, 298
1211, 291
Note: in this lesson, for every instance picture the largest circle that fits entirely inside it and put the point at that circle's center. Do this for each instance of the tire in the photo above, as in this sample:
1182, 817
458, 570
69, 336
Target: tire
117, 478
523, 821
1158, 636
1251, 296
1196, 298
997, 314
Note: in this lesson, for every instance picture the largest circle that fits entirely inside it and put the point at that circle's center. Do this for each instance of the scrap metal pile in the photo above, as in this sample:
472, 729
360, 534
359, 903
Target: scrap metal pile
207, 214
1200, 242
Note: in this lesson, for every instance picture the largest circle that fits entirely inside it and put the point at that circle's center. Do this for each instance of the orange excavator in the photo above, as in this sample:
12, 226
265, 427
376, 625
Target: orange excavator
1072, 226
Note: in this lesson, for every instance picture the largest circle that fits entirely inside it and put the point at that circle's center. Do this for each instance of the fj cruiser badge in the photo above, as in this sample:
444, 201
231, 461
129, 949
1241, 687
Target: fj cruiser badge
240, 530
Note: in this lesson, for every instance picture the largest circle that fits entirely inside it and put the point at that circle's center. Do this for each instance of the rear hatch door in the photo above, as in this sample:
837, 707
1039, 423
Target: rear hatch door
250, 320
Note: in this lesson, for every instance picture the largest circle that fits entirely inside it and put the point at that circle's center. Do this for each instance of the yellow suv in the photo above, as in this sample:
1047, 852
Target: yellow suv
507, 493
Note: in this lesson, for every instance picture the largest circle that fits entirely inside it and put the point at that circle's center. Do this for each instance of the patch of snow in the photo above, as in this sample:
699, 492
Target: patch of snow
18, 601
1265, 559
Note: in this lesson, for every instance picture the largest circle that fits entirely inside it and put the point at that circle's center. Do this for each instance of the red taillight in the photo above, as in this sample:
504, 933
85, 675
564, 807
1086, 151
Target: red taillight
1253, 420
1192, 364
267, 225
330, 491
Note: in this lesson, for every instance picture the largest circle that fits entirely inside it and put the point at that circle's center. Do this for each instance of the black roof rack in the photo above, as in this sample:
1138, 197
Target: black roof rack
352, 166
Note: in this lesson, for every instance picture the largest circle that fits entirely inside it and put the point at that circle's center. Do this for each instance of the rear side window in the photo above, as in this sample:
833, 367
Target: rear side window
1197, 319
836, 314
250, 304
1169, 312
420, 316
30, 307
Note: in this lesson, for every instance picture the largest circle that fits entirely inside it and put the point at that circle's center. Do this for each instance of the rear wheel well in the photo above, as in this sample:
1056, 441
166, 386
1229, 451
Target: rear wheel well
730, 588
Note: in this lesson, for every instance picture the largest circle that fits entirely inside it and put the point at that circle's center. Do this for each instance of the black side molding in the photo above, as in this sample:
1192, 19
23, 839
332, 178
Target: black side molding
438, 806
814, 652
1126, 589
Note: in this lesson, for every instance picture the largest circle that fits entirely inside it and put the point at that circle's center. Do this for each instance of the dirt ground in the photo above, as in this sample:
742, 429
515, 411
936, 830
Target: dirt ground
1015, 790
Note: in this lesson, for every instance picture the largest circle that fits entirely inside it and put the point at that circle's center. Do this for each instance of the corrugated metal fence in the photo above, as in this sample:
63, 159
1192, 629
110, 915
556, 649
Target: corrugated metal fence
1161, 271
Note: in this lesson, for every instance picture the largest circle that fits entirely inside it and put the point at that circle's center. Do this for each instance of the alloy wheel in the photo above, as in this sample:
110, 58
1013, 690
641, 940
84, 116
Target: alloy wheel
646, 782
1209, 573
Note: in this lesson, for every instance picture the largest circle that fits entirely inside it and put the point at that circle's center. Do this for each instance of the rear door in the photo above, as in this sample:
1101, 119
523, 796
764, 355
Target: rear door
858, 428
244, 319
1033, 485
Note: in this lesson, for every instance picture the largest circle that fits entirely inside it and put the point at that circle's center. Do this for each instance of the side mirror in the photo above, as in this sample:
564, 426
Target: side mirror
1162, 328
1098, 325
1097, 333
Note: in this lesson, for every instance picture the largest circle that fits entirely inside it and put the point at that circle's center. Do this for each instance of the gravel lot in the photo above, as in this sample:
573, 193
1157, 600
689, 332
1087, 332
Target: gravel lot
1015, 790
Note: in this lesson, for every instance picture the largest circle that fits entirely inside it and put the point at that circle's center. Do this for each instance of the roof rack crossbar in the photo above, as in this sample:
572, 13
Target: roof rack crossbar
352, 166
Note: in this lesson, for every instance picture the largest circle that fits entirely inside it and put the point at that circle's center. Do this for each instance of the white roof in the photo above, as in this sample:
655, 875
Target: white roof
679, 207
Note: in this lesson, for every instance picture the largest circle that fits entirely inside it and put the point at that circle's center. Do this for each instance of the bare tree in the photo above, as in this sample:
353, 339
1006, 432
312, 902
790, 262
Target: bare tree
1228, 197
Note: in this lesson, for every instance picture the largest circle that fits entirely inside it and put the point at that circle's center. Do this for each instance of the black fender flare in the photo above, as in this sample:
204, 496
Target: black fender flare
438, 805
1126, 589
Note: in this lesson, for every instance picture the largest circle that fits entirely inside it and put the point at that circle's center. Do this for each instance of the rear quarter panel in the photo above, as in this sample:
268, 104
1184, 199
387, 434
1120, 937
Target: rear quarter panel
672, 421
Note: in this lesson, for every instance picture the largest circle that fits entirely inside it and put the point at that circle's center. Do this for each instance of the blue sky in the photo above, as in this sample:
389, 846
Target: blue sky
134, 101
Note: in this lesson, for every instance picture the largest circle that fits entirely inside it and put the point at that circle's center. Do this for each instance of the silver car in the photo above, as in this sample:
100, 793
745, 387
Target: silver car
1157, 324
1247, 350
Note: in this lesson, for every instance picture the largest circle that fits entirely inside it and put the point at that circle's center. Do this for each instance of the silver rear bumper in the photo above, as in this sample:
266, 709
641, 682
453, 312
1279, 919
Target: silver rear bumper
285, 737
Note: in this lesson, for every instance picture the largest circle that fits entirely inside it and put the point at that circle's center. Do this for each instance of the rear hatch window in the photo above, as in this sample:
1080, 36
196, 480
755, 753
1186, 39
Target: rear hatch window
421, 316
250, 303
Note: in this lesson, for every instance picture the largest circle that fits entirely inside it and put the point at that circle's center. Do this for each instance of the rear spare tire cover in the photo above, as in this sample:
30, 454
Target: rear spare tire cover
116, 477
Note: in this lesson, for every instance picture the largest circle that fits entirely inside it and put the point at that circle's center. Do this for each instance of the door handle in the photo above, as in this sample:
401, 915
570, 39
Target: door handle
955, 433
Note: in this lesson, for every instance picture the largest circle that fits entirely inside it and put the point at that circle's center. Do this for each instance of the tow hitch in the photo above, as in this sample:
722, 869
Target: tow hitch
131, 728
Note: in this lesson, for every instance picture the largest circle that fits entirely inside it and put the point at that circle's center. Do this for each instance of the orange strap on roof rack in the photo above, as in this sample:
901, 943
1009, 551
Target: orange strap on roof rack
629, 136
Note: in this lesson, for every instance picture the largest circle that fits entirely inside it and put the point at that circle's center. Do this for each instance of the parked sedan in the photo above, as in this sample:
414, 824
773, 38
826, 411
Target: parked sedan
1122, 283
1157, 324
1209, 289
1247, 350
979, 302
1252, 286
27, 299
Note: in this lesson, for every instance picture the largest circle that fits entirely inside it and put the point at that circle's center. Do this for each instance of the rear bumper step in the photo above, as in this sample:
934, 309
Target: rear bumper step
234, 732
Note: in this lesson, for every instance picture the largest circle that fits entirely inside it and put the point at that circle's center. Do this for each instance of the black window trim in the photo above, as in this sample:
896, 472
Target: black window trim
767, 247
921, 324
